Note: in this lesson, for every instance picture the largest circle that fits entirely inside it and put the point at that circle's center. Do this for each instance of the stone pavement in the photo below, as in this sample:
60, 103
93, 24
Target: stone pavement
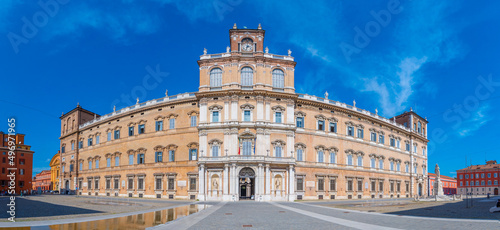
287, 215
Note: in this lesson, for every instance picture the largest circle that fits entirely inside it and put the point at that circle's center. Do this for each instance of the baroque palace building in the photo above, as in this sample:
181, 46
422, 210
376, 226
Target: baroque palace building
245, 134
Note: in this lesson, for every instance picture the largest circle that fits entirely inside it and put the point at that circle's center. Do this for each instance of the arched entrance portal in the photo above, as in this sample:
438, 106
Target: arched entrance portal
247, 183
495, 191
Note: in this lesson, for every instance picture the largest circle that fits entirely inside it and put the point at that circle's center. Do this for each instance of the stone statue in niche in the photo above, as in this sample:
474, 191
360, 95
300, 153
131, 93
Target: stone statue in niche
277, 183
215, 184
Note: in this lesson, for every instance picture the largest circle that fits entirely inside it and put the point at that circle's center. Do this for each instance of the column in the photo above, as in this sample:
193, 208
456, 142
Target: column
268, 180
290, 116
234, 108
291, 180
203, 110
226, 179
260, 108
201, 189
226, 108
268, 111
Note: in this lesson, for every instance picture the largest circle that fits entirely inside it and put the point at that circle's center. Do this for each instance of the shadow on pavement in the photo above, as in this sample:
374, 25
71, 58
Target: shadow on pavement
31, 208
479, 210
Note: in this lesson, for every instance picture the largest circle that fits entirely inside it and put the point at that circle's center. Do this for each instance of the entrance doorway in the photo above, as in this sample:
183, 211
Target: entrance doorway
495, 191
247, 184
419, 189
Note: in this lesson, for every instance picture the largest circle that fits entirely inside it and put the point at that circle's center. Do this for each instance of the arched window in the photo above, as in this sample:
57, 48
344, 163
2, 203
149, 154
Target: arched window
278, 79
246, 76
216, 77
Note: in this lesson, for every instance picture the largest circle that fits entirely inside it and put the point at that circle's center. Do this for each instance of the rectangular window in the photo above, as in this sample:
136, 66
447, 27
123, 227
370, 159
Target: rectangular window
320, 156
171, 183
349, 159
321, 185
158, 184
380, 164
63, 149
80, 144
97, 139
349, 185
278, 117
321, 125
332, 157
130, 159
407, 168
361, 133
373, 137
277, 152
109, 136
90, 165
215, 116
373, 185
140, 183
192, 183
360, 185
360, 161
300, 122
381, 186
89, 182
193, 121
96, 184
193, 154
246, 115
80, 167
172, 123
117, 134
21, 171
159, 157
117, 161
171, 155
215, 151
489, 175
392, 166
392, 186
117, 184
158, 125
108, 183
96, 163
140, 158
495, 175
381, 139
372, 163
398, 167
131, 131
398, 144
407, 147
393, 142
142, 129
300, 184
350, 131
247, 147
333, 185
299, 154
333, 127
108, 162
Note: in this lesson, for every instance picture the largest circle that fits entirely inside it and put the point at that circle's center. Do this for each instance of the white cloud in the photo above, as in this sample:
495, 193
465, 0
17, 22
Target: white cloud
478, 119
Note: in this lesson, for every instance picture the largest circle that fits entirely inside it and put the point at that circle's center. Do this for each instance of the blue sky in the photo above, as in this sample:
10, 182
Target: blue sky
438, 57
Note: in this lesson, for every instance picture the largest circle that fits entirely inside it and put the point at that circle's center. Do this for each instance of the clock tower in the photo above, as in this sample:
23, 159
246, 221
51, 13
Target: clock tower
247, 40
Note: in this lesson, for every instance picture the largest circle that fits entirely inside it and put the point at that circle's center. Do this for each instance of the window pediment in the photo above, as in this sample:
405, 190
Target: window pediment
158, 148
333, 149
141, 150
350, 123
350, 151
320, 117
172, 115
172, 147
215, 107
278, 142
278, 108
300, 145
320, 147
300, 114
246, 135
192, 145
215, 141
247, 106
333, 120
193, 113
360, 153
159, 117
131, 124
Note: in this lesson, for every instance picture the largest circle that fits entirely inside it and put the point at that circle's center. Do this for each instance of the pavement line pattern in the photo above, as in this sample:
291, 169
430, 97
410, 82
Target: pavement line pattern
344, 222
188, 221
403, 216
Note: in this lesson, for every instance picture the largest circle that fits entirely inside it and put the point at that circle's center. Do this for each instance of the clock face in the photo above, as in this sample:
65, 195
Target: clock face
247, 44
247, 47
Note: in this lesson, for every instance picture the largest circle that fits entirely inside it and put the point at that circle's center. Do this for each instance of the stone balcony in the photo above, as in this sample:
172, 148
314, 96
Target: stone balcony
247, 159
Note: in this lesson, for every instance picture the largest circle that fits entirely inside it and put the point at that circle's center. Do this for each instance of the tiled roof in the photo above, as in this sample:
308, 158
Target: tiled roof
491, 165
442, 176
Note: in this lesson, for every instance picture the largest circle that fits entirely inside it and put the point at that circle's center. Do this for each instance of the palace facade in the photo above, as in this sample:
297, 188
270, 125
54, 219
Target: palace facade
245, 134
479, 179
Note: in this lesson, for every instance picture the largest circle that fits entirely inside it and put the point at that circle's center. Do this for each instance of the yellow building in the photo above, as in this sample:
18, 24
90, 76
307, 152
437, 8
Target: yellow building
245, 134
55, 164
